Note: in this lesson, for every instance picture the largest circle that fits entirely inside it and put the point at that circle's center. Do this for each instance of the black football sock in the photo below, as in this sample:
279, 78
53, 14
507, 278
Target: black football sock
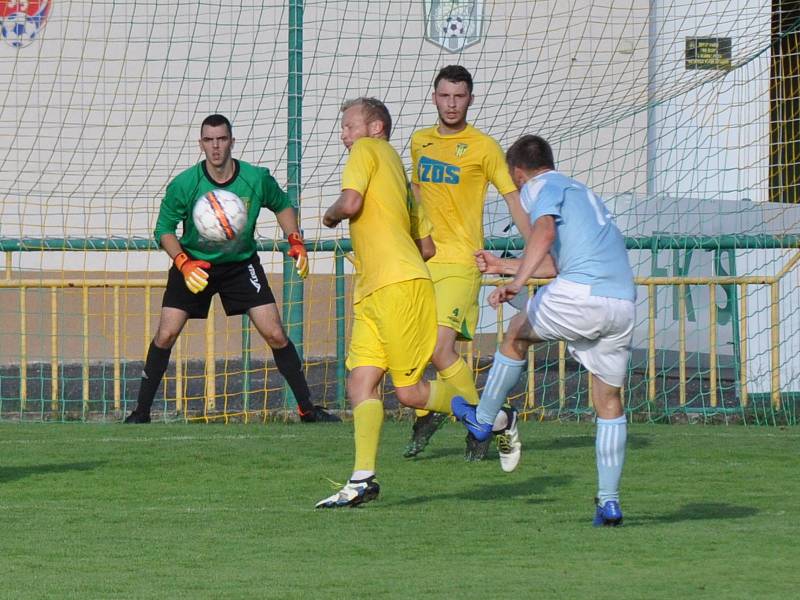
288, 362
154, 367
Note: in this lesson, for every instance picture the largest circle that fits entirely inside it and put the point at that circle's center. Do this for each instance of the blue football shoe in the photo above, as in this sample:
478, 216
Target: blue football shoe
465, 412
607, 515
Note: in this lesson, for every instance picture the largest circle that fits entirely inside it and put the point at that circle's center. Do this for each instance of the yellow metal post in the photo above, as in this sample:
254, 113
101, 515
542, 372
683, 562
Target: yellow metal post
744, 400
500, 331
179, 404
682, 344
651, 343
562, 374
147, 302
117, 370
712, 342
775, 340
85, 367
23, 349
54, 376
530, 397
211, 367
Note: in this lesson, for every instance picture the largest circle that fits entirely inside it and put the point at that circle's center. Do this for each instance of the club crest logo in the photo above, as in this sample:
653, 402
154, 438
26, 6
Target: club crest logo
453, 24
21, 21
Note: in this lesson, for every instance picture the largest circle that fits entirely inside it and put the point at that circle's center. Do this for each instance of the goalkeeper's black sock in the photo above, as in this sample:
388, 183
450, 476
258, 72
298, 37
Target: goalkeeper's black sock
288, 362
154, 367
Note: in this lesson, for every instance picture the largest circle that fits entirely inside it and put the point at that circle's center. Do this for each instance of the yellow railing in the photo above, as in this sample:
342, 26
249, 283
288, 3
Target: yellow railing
651, 284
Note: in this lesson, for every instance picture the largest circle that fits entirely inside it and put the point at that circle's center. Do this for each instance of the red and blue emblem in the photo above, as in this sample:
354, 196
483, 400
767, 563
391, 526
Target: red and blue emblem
21, 21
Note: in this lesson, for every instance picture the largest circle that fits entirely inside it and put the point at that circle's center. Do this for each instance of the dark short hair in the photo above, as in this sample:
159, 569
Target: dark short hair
454, 74
373, 110
216, 121
530, 152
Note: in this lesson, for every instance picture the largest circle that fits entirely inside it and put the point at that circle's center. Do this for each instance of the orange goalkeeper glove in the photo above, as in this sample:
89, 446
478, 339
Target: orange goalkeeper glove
298, 252
196, 278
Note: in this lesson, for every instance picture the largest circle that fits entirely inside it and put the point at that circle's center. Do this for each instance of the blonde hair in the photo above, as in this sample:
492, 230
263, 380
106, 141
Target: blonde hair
373, 110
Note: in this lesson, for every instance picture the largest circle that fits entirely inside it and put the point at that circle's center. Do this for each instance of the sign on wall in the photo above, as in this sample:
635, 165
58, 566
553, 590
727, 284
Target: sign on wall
452, 24
21, 21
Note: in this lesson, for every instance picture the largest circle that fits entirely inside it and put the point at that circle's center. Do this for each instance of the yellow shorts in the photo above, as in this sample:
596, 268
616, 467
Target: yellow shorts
457, 288
394, 329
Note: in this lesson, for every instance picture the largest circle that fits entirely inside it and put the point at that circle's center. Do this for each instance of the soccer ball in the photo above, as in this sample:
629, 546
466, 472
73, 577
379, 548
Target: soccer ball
219, 216
454, 27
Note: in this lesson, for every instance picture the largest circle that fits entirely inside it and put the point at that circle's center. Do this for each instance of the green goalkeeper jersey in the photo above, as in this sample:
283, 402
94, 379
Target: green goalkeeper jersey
254, 185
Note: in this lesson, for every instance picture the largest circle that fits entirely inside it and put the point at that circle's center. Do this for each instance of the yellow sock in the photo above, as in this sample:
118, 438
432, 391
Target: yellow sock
440, 396
459, 376
367, 422
420, 412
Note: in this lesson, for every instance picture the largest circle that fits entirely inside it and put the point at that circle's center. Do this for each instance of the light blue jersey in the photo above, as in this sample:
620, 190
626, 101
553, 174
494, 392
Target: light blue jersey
589, 248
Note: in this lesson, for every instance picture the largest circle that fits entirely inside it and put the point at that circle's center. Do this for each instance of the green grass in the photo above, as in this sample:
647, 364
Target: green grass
212, 511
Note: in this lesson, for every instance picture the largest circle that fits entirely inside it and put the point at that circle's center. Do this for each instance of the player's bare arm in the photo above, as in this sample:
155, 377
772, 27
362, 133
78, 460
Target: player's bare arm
518, 214
427, 248
426, 245
489, 264
346, 206
537, 247
287, 220
169, 242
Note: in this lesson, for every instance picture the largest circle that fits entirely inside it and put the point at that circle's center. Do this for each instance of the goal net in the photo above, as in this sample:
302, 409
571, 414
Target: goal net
682, 115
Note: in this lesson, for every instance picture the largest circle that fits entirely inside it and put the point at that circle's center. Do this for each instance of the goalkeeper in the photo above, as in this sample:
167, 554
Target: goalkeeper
201, 269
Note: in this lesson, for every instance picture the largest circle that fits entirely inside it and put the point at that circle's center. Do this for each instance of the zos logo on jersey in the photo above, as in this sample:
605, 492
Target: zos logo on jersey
21, 21
436, 171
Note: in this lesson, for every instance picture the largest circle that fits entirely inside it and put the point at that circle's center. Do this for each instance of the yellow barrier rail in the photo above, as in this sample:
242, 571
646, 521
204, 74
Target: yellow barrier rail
651, 283
742, 283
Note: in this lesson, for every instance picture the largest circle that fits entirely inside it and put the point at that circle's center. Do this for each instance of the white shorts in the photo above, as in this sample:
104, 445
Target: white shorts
598, 330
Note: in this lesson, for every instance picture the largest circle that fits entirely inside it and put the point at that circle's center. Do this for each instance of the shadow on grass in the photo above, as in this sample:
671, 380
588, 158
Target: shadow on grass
8, 474
635, 442
696, 511
437, 453
491, 492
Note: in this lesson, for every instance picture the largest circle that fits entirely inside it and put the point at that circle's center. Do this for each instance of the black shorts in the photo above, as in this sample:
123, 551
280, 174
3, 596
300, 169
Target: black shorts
240, 285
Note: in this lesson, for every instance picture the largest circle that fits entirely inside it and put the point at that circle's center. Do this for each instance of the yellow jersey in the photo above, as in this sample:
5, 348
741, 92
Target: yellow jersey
384, 230
453, 172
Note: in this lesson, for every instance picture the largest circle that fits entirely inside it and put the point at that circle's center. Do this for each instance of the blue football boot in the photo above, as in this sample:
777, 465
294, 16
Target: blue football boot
607, 515
465, 412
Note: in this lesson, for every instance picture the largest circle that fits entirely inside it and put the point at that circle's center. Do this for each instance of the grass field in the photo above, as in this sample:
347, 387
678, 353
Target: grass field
212, 511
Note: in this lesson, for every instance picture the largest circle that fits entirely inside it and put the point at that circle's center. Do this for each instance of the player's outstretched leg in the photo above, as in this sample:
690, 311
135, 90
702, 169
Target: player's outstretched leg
507, 438
479, 436
354, 493
423, 429
465, 412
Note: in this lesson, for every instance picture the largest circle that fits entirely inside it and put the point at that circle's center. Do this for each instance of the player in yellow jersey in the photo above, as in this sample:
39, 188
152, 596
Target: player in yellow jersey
453, 164
394, 310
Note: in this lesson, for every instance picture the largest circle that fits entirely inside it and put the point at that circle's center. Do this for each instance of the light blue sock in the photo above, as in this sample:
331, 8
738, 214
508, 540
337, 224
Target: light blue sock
503, 376
610, 451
